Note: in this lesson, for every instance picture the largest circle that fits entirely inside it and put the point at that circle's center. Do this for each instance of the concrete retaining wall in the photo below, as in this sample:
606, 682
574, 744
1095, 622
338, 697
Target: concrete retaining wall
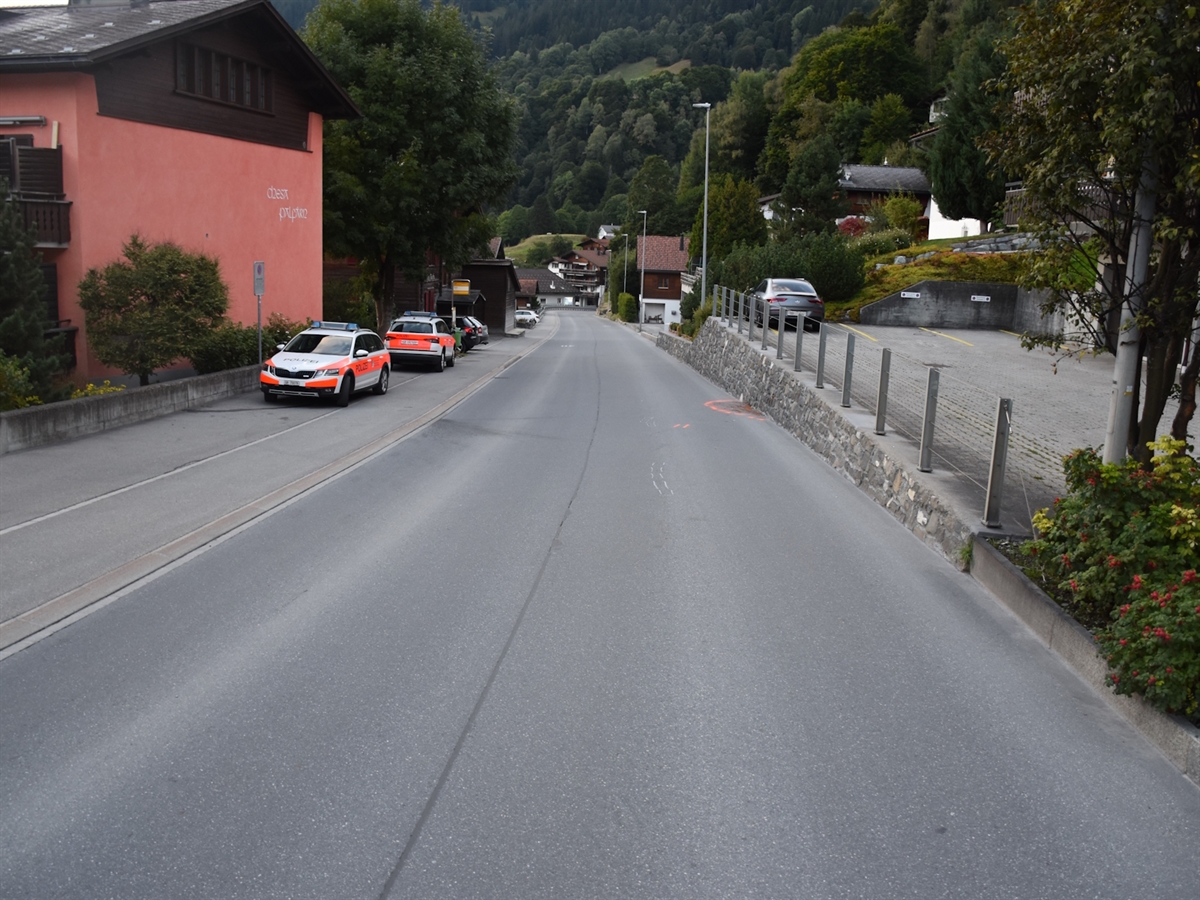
38, 425
745, 372
961, 304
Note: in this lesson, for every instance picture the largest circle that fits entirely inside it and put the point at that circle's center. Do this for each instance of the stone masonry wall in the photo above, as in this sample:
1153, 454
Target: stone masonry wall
731, 362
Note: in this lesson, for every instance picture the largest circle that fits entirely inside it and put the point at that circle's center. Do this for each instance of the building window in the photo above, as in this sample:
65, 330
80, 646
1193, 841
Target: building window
223, 78
664, 282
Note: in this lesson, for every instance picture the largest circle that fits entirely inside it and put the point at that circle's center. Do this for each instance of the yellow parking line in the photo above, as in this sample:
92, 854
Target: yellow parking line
1013, 333
950, 336
856, 331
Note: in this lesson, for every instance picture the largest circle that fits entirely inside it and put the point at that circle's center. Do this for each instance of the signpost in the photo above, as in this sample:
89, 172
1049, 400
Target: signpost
260, 279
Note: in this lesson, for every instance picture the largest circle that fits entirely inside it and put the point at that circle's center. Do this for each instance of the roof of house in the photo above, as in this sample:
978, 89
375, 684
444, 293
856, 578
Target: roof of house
594, 257
664, 253
884, 179
534, 281
61, 38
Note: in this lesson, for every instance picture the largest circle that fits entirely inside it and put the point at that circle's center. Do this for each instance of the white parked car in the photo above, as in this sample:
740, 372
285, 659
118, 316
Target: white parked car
527, 318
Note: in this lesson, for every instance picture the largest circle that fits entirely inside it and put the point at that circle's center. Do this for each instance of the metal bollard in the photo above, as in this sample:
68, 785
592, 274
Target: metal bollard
885, 365
821, 355
782, 328
995, 487
848, 371
931, 392
801, 319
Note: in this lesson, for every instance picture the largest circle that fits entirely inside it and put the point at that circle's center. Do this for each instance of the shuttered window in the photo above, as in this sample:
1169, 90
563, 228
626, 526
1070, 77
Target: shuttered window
200, 72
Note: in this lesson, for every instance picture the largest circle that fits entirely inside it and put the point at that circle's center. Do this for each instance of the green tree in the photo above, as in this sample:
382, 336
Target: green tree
890, 121
1101, 92
733, 216
155, 306
965, 184
24, 317
434, 145
652, 189
811, 198
514, 225
858, 64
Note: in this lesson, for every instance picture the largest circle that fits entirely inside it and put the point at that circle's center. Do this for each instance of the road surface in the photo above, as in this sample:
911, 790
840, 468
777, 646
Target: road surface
599, 631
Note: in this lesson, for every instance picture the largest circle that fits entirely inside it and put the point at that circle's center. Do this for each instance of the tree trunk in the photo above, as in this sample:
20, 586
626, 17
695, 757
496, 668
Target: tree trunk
1162, 357
1187, 398
143, 379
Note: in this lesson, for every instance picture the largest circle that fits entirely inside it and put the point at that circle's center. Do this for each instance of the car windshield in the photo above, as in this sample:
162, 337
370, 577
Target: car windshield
787, 286
408, 327
319, 344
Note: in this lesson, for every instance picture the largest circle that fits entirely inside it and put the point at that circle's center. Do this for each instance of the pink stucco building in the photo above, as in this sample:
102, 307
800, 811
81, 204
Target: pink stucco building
192, 121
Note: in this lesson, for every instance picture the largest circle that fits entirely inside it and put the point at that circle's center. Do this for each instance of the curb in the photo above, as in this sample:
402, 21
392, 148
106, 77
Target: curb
1177, 738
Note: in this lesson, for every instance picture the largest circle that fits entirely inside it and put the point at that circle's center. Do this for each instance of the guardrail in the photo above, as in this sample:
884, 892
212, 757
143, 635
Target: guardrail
956, 425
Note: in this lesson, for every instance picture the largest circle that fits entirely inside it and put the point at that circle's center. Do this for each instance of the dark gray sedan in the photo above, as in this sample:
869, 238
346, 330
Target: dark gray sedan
793, 295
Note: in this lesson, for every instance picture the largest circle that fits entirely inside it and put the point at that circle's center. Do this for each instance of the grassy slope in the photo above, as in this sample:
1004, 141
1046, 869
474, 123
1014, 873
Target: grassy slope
946, 265
647, 66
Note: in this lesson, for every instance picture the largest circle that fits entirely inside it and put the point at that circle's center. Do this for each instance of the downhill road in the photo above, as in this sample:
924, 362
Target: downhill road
599, 631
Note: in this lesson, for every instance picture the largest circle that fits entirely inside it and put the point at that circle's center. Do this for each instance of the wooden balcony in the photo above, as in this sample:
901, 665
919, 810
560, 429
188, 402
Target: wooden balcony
50, 220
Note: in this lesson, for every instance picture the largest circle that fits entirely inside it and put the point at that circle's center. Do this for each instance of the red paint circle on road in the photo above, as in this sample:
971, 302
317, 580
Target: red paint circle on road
735, 408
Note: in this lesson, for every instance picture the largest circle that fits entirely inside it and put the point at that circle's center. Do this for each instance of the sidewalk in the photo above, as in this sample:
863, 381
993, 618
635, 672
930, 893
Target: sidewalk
82, 519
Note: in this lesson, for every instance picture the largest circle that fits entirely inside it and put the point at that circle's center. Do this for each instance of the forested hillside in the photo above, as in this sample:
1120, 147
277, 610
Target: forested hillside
605, 95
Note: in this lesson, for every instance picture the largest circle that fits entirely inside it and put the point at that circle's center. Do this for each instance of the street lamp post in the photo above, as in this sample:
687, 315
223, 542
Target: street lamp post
642, 261
707, 107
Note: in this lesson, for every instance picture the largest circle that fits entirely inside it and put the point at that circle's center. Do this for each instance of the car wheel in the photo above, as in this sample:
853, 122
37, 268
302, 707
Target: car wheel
450, 362
343, 395
381, 385
269, 397
440, 365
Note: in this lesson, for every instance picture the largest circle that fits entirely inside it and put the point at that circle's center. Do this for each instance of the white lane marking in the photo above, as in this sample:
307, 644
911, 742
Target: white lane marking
659, 479
137, 484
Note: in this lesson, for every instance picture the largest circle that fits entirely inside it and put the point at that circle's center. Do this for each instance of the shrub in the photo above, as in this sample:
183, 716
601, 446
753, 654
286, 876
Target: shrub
16, 390
627, 308
833, 266
852, 226
230, 345
691, 327
879, 242
155, 306
97, 390
689, 304
1122, 550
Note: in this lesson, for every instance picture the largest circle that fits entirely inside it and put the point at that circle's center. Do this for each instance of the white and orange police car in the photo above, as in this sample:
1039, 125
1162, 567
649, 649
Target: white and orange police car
328, 359
421, 338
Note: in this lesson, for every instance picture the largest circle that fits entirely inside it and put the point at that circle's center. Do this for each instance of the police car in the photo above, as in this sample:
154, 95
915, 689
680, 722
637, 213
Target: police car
418, 337
328, 359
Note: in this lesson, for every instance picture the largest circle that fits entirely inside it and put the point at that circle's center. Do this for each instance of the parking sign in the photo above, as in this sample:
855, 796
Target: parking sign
260, 278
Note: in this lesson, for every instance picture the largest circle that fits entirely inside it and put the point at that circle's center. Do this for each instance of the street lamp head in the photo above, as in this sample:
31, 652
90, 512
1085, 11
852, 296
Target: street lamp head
641, 212
701, 106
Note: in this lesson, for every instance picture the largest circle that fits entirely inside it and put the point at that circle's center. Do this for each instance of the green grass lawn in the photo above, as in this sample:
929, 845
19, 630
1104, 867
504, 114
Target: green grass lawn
642, 68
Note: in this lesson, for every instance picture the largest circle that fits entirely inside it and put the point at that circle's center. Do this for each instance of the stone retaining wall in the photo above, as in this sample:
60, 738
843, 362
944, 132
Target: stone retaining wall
746, 372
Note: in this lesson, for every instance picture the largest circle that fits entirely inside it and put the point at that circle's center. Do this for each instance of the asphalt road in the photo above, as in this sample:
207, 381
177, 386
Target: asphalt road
584, 636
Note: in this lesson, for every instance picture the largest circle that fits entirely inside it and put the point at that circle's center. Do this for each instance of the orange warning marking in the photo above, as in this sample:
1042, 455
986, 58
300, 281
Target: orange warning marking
735, 408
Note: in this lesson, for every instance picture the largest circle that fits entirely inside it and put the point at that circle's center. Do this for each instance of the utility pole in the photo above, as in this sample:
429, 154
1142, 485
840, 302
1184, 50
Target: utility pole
707, 107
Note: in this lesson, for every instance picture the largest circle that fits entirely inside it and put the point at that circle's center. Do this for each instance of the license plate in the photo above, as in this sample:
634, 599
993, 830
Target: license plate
291, 382
410, 343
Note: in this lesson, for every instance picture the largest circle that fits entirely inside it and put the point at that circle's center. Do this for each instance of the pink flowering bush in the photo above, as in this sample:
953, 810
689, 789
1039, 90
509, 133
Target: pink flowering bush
1121, 551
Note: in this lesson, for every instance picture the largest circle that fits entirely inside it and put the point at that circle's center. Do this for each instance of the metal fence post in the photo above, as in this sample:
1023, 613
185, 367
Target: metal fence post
800, 320
821, 355
849, 370
995, 487
741, 303
885, 365
931, 392
750, 324
782, 326
766, 339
